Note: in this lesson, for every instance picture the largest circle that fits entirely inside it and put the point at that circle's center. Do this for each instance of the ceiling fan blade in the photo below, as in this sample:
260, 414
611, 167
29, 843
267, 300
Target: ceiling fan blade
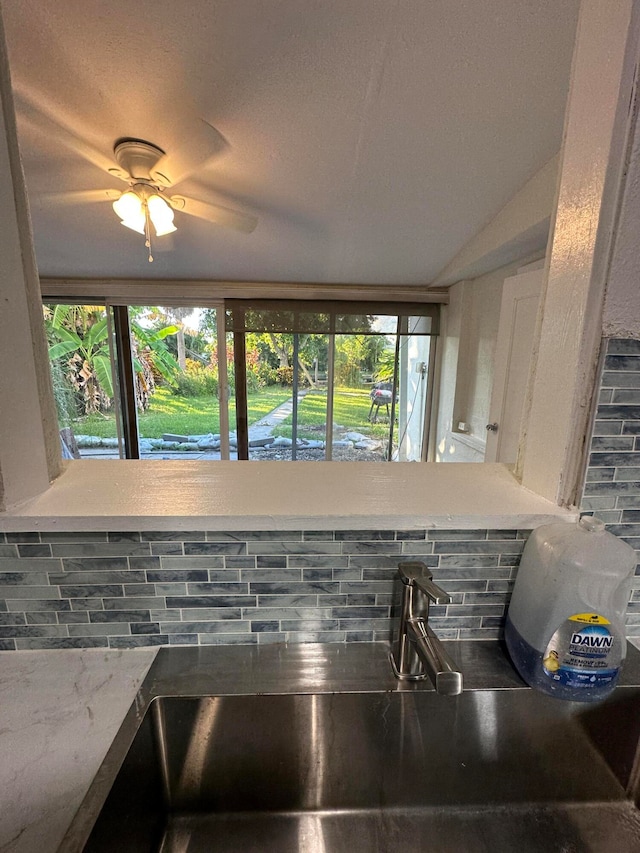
202, 143
215, 213
79, 196
40, 115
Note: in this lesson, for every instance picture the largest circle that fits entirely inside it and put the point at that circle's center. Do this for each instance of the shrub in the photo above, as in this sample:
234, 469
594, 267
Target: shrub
198, 380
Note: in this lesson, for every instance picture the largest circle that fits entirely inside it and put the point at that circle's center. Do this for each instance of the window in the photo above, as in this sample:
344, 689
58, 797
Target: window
298, 380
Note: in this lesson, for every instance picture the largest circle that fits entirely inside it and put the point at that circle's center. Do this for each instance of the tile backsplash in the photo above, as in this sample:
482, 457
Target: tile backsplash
122, 590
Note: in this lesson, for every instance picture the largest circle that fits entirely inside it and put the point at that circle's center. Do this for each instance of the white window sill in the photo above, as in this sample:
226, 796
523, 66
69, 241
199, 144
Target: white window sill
98, 495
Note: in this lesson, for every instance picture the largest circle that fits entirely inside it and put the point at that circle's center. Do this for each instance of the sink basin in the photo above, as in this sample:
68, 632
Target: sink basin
489, 770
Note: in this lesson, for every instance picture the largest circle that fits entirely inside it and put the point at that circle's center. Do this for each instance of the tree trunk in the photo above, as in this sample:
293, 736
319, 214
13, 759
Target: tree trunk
182, 355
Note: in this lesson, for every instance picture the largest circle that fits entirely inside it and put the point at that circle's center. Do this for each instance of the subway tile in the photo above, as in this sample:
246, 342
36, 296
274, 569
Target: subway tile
207, 588
141, 589
28, 605
169, 589
167, 548
165, 615
443, 622
468, 561
211, 601
360, 612
321, 548
119, 616
278, 613
605, 396
484, 598
64, 536
181, 576
3, 606
24, 564
626, 396
123, 536
33, 631
288, 625
444, 575
600, 475
308, 587
210, 562
365, 625
247, 639
243, 562
324, 574
100, 549
316, 637
620, 379
500, 586
360, 599
623, 474
300, 561
480, 633
505, 546
22, 537
347, 535
607, 428
268, 638
380, 548
503, 534
314, 535
610, 516
259, 627
284, 600
366, 586
211, 614
273, 562
612, 444
183, 639
86, 604
10, 579
108, 577
134, 603
96, 591
410, 535
145, 564
14, 618
510, 559
455, 535
622, 361
72, 618
475, 610
419, 549
169, 536
195, 549
612, 489
595, 504
358, 636
41, 593
618, 412
386, 562
145, 628
34, 644
96, 564
623, 346
354, 574
138, 642
626, 502
246, 535
41, 550
235, 626
39, 617
630, 516
270, 575
107, 629
7, 645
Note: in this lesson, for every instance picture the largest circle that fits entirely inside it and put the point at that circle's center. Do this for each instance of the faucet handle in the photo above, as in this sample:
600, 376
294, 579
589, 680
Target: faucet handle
418, 574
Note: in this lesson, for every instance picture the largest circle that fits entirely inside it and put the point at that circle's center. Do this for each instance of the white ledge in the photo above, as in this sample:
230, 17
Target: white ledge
98, 495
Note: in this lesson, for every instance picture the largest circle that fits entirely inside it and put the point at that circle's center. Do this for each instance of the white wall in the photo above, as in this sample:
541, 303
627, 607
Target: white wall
468, 344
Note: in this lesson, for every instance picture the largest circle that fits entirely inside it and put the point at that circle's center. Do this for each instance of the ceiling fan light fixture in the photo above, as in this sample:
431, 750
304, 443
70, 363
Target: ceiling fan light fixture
135, 223
128, 206
161, 215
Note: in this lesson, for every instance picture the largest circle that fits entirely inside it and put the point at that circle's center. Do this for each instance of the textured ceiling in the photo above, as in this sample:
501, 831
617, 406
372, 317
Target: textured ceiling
371, 138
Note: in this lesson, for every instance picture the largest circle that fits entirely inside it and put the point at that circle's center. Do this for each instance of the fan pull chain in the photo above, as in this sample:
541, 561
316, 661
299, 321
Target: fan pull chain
147, 233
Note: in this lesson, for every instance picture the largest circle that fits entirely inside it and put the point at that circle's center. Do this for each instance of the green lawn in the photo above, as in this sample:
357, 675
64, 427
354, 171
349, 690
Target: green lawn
350, 409
168, 413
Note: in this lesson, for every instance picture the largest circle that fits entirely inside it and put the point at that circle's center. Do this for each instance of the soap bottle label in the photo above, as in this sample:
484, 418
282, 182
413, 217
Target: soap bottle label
583, 652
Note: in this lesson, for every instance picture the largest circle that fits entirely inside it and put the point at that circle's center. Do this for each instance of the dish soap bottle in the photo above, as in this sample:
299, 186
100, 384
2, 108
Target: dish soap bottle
565, 624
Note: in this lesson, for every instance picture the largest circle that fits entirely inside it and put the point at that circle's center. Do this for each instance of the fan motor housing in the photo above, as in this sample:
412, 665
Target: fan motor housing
137, 157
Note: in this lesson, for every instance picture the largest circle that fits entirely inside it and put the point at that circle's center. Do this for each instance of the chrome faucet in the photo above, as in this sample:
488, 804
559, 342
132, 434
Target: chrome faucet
416, 651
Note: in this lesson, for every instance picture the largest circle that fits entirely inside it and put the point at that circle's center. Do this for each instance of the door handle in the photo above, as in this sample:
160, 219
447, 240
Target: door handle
492, 427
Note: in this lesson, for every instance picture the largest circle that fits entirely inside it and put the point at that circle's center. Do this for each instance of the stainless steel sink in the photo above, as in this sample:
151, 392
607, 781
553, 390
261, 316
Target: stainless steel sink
489, 770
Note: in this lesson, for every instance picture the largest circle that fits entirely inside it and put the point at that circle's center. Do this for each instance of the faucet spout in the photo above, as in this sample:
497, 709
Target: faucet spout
416, 650
439, 665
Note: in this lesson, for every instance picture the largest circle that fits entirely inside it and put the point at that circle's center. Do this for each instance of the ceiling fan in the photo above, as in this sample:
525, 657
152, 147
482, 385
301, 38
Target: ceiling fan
145, 206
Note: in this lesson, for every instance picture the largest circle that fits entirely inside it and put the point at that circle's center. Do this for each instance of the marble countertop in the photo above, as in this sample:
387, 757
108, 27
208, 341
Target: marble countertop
59, 712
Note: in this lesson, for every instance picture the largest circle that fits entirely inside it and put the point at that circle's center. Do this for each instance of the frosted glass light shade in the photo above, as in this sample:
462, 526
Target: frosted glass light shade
161, 215
128, 206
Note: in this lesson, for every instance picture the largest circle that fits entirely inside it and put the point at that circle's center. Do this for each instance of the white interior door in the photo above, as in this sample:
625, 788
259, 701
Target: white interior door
514, 344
